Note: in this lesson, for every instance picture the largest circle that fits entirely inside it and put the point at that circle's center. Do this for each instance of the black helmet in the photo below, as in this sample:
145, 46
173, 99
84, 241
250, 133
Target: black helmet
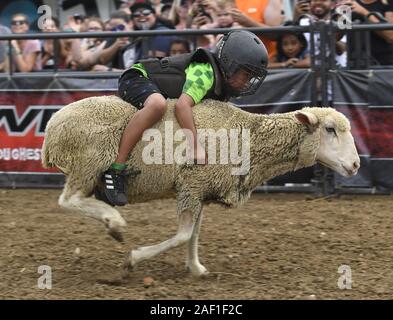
241, 49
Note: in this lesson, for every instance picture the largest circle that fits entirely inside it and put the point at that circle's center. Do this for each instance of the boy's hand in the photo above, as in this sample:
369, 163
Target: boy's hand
200, 156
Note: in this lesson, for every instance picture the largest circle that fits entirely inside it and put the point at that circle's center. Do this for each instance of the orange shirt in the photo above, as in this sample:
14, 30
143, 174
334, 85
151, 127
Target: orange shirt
255, 9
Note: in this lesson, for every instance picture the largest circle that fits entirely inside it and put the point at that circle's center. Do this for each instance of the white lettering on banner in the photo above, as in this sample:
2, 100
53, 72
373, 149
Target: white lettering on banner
19, 126
20, 154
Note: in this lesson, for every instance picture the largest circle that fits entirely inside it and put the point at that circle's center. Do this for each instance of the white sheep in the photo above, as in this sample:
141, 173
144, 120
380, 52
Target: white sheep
82, 141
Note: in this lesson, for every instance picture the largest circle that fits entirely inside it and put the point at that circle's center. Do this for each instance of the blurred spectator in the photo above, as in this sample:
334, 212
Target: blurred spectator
381, 42
179, 46
74, 23
125, 6
302, 7
3, 46
118, 18
145, 18
179, 14
201, 13
223, 19
291, 52
26, 54
48, 47
159, 6
262, 14
86, 52
119, 53
166, 11
320, 10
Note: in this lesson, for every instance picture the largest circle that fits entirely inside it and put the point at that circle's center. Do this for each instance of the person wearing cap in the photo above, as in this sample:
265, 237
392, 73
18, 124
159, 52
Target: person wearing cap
236, 66
144, 17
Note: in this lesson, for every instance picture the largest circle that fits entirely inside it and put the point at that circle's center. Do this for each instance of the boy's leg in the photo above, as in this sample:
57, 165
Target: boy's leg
153, 110
115, 177
142, 93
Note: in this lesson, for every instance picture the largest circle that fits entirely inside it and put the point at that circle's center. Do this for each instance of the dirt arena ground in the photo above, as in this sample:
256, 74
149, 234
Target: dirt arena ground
276, 246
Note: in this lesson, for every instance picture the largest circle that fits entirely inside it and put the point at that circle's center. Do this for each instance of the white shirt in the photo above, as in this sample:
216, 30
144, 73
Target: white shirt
340, 59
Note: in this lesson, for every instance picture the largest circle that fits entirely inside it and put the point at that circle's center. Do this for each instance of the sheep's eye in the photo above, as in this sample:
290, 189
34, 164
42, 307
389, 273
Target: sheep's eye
331, 130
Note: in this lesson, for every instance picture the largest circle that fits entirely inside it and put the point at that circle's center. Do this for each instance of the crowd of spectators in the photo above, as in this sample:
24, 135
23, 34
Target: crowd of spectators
117, 54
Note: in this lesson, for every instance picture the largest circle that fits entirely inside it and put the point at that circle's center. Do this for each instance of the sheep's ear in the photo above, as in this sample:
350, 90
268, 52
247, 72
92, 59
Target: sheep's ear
308, 119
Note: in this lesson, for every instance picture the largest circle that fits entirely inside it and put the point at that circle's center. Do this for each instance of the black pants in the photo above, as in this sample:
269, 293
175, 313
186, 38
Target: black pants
135, 88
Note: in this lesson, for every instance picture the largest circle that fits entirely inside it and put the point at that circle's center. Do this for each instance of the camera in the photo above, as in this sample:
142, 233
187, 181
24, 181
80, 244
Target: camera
202, 11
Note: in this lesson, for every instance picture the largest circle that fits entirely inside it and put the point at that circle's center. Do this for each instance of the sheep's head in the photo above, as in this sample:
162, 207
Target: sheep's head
337, 149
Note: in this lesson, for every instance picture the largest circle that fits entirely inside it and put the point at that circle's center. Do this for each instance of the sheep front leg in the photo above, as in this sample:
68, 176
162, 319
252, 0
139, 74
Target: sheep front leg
184, 233
95, 209
192, 262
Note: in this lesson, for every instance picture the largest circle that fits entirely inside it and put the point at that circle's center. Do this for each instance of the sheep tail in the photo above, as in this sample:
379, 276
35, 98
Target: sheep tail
45, 159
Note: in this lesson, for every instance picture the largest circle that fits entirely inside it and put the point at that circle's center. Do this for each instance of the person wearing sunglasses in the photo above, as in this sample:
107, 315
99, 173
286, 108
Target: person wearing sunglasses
236, 66
48, 47
26, 54
144, 17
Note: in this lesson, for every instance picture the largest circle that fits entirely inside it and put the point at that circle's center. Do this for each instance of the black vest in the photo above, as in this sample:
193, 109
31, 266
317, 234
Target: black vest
169, 73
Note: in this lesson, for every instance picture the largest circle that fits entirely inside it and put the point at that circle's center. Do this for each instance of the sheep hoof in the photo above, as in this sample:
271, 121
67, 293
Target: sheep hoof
117, 235
127, 267
115, 227
197, 270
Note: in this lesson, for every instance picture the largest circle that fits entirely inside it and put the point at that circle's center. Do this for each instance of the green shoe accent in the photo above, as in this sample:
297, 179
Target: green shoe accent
118, 166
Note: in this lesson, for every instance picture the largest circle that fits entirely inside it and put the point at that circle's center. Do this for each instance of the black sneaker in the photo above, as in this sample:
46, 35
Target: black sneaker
115, 186
99, 194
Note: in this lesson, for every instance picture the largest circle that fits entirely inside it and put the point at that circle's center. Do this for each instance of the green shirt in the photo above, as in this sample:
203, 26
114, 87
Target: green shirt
199, 79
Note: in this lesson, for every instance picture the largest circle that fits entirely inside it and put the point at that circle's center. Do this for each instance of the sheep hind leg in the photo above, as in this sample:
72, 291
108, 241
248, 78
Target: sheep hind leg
192, 263
77, 199
183, 235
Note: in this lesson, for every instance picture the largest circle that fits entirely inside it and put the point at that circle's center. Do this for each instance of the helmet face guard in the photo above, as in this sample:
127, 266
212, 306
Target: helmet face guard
247, 79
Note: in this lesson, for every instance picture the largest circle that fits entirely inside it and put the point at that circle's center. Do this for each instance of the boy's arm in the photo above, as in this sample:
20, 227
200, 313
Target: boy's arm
184, 113
186, 121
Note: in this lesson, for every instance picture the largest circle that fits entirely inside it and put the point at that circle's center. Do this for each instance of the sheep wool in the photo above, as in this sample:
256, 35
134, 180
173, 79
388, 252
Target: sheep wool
82, 140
